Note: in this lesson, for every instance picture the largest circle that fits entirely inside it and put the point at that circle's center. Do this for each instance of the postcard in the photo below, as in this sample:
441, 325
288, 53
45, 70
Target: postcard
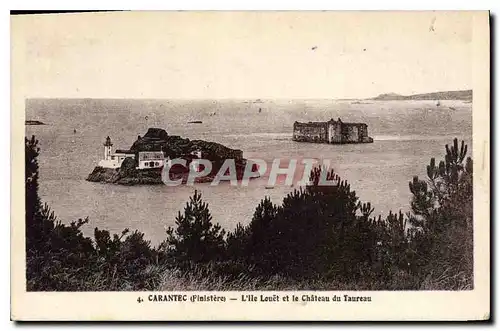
250, 166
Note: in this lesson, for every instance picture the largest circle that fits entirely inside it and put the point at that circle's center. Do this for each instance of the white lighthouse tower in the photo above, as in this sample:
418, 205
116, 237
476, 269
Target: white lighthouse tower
114, 160
107, 149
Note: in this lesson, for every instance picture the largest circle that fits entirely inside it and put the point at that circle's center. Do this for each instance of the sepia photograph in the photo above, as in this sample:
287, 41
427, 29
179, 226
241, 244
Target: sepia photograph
322, 158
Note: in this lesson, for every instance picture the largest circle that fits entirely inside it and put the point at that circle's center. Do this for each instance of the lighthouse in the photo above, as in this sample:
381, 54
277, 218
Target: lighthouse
114, 160
107, 148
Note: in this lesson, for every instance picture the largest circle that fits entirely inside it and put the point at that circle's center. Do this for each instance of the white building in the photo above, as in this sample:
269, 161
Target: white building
113, 160
150, 160
146, 160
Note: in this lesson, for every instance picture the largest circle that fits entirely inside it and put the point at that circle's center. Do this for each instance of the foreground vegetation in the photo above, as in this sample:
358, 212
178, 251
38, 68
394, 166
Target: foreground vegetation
319, 238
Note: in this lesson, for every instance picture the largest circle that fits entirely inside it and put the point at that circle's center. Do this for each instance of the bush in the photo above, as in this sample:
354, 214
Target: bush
195, 239
315, 232
59, 257
442, 219
320, 237
325, 232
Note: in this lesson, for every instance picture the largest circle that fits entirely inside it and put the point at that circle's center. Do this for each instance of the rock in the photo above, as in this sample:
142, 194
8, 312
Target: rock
177, 147
157, 139
127, 168
103, 175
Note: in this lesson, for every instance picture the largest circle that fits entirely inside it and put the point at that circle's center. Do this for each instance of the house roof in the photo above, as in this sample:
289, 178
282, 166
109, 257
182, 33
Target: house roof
143, 156
124, 151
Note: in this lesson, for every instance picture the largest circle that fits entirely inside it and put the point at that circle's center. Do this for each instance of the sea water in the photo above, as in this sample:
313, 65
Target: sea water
406, 135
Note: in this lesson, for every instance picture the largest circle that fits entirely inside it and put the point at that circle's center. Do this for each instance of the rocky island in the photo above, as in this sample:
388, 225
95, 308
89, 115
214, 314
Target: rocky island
142, 164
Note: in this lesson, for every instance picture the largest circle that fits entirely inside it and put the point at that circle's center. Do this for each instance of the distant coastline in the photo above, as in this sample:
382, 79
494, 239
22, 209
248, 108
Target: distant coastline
445, 95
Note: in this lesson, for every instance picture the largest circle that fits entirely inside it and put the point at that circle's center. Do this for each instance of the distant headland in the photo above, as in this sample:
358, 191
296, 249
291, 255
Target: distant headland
445, 95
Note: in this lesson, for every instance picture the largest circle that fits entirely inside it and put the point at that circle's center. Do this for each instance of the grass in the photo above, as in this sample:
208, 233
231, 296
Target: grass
174, 279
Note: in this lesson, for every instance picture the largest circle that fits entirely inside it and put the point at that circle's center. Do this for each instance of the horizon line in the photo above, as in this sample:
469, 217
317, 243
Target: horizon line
242, 98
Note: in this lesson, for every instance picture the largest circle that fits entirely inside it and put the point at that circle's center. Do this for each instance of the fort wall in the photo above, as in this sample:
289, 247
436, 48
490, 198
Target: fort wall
333, 132
310, 132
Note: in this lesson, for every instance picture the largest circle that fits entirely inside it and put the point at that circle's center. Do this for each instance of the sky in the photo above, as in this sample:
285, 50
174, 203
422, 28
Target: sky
240, 54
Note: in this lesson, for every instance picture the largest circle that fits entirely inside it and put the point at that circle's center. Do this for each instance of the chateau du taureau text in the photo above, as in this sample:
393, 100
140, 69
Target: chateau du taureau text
252, 298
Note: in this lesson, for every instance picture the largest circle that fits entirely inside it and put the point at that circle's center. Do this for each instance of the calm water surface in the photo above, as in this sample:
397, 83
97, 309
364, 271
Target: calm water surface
407, 134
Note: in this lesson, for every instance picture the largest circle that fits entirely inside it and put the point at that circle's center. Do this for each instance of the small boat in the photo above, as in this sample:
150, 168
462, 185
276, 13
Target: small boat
438, 103
269, 187
360, 103
195, 122
32, 122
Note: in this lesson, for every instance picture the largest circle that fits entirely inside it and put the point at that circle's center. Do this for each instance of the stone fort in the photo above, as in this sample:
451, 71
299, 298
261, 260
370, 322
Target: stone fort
332, 132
